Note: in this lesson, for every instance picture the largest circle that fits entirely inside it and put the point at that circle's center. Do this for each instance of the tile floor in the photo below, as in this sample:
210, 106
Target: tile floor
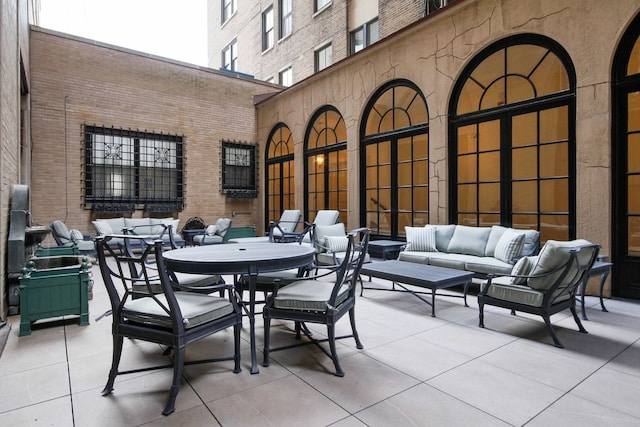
414, 370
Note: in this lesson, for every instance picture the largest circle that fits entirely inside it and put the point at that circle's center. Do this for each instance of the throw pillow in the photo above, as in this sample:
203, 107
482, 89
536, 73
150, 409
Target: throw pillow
336, 243
421, 239
509, 246
522, 268
76, 235
211, 230
469, 240
103, 228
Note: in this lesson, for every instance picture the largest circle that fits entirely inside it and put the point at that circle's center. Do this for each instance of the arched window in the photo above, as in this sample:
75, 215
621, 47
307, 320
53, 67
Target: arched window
326, 164
512, 139
394, 139
626, 164
279, 179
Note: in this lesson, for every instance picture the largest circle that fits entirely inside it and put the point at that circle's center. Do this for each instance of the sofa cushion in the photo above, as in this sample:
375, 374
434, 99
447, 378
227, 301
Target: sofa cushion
418, 257
494, 236
487, 265
531, 242
502, 288
421, 239
210, 230
509, 246
443, 236
469, 240
553, 255
456, 261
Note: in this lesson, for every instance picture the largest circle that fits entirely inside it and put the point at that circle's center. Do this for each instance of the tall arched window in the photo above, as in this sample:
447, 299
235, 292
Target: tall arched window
394, 176
326, 164
279, 179
626, 164
512, 139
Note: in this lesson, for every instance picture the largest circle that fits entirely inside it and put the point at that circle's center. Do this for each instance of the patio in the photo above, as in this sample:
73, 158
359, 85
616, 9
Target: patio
414, 370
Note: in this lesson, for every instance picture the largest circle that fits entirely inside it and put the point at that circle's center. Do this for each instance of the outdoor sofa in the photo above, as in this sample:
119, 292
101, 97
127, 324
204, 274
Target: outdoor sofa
481, 250
166, 228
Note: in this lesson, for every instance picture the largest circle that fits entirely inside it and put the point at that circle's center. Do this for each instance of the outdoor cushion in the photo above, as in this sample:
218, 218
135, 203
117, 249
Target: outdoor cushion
553, 255
195, 309
422, 239
469, 240
456, 261
419, 257
308, 295
509, 246
486, 265
323, 231
531, 242
336, 243
523, 267
210, 230
494, 236
443, 235
502, 288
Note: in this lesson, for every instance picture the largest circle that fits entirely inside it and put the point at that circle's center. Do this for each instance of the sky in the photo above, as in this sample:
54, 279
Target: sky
175, 29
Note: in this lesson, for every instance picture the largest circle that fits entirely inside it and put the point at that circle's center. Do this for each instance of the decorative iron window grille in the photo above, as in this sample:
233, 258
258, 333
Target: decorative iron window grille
239, 170
124, 166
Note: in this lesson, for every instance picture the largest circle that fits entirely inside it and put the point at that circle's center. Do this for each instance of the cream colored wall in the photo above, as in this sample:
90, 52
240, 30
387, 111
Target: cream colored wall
433, 53
361, 12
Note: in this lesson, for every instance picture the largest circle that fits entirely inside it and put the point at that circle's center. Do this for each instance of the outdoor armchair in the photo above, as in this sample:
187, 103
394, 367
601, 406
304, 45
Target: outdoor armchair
317, 300
65, 237
171, 318
213, 234
544, 285
284, 230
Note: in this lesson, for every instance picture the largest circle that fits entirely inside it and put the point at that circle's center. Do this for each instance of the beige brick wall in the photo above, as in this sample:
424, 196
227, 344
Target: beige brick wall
77, 81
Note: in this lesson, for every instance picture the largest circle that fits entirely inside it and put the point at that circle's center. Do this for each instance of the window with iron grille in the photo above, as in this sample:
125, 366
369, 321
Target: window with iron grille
239, 169
130, 166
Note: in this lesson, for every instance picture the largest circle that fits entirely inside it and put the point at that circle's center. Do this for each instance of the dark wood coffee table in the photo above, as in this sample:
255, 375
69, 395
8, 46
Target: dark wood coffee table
420, 275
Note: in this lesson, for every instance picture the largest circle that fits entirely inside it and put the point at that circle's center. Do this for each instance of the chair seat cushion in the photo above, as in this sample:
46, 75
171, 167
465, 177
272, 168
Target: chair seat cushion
502, 288
196, 309
208, 240
308, 295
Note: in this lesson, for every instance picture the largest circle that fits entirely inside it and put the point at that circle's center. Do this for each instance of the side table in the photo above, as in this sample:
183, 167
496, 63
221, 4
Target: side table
385, 249
600, 268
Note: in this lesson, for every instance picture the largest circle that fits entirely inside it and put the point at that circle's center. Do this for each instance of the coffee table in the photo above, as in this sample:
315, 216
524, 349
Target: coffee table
420, 275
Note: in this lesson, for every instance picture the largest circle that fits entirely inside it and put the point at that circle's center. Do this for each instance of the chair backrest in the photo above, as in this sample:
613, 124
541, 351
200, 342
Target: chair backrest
222, 226
60, 233
562, 266
326, 217
288, 221
132, 283
349, 270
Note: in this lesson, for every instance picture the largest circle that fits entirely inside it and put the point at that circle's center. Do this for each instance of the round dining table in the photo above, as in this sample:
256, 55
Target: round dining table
249, 259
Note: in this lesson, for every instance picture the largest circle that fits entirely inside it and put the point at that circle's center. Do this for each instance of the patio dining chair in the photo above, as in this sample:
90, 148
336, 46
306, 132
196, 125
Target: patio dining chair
543, 285
171, 318
284, 230
312, 300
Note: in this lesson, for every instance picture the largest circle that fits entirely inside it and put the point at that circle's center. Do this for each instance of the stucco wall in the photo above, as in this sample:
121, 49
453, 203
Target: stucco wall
433, 53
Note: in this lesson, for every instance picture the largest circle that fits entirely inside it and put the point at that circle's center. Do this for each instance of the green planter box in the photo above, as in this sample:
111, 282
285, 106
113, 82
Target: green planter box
52, 287
237, 232
48, 251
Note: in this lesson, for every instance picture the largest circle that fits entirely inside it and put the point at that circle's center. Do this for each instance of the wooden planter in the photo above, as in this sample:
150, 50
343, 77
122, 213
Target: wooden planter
51, 287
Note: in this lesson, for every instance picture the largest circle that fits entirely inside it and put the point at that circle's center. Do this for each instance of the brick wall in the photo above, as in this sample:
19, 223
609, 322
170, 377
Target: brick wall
77, 81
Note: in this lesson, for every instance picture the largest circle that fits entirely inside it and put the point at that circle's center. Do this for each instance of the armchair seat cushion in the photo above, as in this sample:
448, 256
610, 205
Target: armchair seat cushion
308, 295
502, 288
332, 258
195, 309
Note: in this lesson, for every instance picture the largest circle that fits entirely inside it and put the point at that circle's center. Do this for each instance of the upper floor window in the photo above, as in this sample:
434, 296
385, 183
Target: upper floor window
267, 29
239, 169
126, 166
286, 18
230, 56
286, 77
324, 57
433, 5
228, 9
319, 4
365, 36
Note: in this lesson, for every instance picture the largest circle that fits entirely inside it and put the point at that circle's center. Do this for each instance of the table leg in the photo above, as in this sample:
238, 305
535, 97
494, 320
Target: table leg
252, 322
433, 302
583, 287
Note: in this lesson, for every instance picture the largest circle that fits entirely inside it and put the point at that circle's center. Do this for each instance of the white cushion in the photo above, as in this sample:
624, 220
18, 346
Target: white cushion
509, 246
523, 267
323, 231
421, 239
553, 255
211, 230
494, 236
336, 243
469, 240
103, 228
76, 235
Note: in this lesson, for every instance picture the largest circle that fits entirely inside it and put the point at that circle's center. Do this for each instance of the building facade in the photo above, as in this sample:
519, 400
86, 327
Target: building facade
285, 41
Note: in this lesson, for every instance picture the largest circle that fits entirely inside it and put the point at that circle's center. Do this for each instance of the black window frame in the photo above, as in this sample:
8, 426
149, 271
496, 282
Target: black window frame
366, 36
103, 155
239, 169
322, 51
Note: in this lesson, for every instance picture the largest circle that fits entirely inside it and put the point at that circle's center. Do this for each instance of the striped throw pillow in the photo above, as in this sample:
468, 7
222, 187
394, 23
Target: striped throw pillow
421, 239
509, 246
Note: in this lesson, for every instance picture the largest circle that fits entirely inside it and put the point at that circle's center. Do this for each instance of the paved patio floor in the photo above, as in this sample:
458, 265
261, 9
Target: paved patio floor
414, 370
